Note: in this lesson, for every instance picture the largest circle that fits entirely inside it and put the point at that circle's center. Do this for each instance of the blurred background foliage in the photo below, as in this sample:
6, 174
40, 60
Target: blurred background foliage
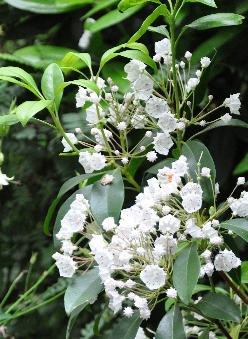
34, 33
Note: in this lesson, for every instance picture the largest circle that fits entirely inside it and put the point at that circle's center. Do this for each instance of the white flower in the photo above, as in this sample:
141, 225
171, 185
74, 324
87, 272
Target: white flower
226, 118
68, 247
108, 224
240, 181
124, 161
81, 97
233, 103
121, 126
192, 202
208, 269
171, 293
162, 143
240, 206
92, 114
190, 188
140, 334
163, 49
92, 162
188, 55
226, 260
167, 122
181, 125
205, 62
180, 166
191, 84
133, 69
198, 73
128, 312
143, 87
107, 179
4, 180
97, 243
193, 230
212, 335
169, 224
205, 172
65, 264
153, 277
84, 41
151, 156
148, 134
157, 107
73, 139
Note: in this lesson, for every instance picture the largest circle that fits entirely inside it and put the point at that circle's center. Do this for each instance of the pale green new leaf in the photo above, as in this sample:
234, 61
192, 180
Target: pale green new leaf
76, 60
217, 20
244, 272
160, 10
138, 55
210, 3
171, 326
186, 272
28, 109
125, 4
8, 119
52, 84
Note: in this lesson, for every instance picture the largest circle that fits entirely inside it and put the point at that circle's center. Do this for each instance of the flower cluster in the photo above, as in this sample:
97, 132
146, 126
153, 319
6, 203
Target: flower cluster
112, 115
73, 222
135, 256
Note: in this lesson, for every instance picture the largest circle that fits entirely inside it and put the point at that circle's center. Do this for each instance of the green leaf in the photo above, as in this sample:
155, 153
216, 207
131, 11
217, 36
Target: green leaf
244, 272
110, 19
204, 334
48, 6
210, 3
154, 169
106, 201
238, 226
76, 60
125, 328
40, 56
138, 55
82, 290
235, 332
84, 83
73, 318
218, 306
52, 84
111, 53
125, 4
9, 119
242, 167
231, 123
195, 151
160, 30
217, 20
11, 73
171, 326
28, 109
99, 6
160, 10
186, 272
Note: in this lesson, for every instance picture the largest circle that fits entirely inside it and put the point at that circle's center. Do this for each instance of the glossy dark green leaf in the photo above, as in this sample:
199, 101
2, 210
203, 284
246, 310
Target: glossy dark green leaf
171, 325
107, 200
28, 109
231, 123
238, 226
48, 6
40, 56
217, 20
125, 328
83, 289
218, 306
195, 151
111, 18
52, 84
210, 3
186, 272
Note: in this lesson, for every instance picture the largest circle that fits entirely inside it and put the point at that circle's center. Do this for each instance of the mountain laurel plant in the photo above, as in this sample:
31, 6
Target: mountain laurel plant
171, 245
